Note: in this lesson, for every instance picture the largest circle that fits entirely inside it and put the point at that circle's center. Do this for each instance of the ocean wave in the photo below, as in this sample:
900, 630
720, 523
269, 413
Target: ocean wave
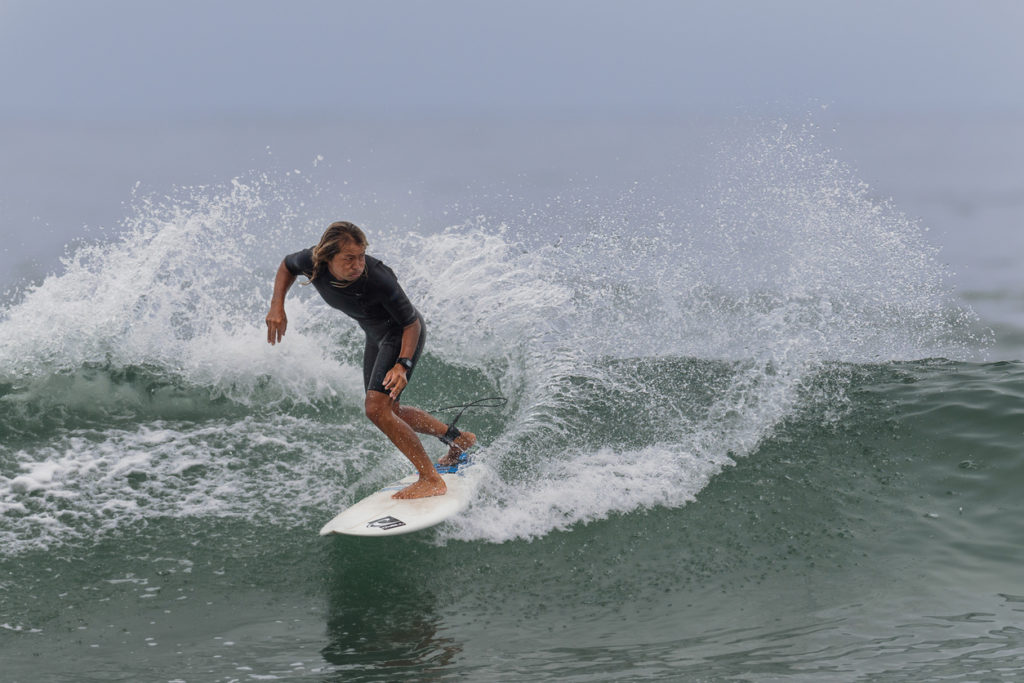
653, 442
640, 353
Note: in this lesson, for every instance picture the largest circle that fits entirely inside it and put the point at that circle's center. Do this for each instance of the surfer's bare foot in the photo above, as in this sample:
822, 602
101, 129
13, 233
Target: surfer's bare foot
461, 445
423, 488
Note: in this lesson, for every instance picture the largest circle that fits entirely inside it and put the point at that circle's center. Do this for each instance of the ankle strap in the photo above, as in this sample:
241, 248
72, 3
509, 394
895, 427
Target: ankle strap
450, 436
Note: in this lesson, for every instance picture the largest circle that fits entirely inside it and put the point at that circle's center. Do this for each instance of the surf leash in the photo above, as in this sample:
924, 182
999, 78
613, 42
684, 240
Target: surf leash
453, 433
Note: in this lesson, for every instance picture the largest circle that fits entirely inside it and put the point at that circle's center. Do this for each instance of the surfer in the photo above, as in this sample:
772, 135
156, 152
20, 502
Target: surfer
367, 290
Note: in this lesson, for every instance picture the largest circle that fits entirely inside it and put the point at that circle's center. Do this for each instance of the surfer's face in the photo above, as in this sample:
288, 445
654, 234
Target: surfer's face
349, 262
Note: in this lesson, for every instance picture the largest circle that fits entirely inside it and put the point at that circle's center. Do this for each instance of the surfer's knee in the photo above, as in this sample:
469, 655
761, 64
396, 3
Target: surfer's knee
377, 406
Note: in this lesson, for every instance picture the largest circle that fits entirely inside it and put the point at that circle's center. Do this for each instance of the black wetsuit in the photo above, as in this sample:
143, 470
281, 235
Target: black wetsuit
377, 302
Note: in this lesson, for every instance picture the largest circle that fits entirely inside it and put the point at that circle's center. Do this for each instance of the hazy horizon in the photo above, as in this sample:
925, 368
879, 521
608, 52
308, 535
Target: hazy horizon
126, 61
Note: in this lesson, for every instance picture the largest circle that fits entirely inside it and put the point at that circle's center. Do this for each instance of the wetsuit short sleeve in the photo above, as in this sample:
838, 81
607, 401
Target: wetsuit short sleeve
393, 297
300, 263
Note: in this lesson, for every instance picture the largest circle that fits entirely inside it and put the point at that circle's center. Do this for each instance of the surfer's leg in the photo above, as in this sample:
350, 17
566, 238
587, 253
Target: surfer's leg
425, 423
380, 410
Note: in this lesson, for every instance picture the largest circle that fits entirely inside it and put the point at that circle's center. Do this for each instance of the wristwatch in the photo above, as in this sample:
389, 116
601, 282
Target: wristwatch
405, 363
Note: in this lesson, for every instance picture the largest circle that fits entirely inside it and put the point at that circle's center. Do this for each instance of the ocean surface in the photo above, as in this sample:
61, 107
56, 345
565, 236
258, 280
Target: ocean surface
765, 402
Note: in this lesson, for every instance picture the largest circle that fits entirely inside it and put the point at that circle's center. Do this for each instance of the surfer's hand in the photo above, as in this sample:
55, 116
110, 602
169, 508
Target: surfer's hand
277, 323
395, 381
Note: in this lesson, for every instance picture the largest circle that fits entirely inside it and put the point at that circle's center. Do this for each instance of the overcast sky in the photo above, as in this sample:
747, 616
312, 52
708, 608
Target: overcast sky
148, 59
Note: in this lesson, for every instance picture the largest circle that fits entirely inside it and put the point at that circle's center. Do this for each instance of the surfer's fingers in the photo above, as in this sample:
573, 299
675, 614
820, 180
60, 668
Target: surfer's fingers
394, 382
277, 323
275, 331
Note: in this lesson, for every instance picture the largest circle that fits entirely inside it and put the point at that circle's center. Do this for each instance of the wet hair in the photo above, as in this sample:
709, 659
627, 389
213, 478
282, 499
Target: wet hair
337, 235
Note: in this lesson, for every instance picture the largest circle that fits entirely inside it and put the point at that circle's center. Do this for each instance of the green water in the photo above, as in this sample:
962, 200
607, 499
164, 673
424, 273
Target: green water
732, 450
883, 546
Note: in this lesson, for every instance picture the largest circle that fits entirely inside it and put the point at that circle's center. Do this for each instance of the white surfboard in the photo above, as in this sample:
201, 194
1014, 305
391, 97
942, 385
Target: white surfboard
381, 515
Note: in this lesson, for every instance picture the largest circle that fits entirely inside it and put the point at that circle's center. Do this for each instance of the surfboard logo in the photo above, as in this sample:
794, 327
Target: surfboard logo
385, 523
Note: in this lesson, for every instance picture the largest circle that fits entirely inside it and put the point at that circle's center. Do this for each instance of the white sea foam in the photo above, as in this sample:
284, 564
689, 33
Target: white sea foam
796, 265
792, 264
177, 290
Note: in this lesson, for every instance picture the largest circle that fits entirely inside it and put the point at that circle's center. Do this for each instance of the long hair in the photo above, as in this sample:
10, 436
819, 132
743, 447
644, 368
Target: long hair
336, 236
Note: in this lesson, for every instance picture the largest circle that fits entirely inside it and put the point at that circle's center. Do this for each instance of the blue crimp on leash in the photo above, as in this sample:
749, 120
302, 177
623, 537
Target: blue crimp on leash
453, 433
464, 461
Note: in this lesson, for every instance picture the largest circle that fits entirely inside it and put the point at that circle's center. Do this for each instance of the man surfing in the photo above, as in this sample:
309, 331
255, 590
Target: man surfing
367, 290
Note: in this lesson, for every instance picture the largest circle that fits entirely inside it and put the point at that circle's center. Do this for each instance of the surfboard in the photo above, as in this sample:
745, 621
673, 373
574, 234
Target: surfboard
379, 514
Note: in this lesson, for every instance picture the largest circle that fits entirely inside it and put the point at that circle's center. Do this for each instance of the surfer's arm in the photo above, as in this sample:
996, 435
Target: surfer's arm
396, 380
277, 321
